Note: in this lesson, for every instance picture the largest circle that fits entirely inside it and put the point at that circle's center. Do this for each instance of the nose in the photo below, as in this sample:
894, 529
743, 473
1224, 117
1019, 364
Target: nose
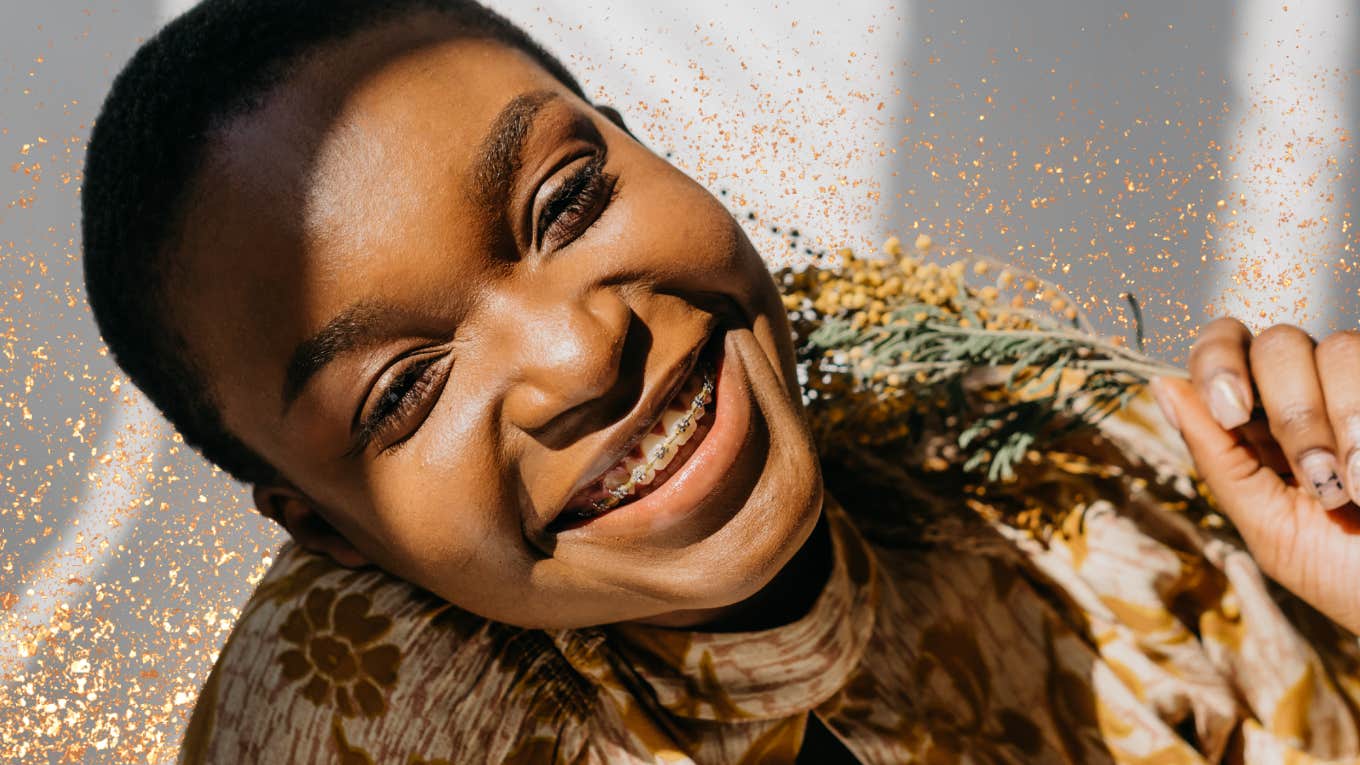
568, 351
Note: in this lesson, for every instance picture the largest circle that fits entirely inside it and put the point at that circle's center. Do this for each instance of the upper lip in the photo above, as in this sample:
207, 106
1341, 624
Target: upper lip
645, 416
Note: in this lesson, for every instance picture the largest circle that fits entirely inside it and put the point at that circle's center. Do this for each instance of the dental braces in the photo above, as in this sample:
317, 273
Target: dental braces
625, 489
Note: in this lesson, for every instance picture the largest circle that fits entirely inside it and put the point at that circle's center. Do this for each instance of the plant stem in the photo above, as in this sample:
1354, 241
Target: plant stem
1090, 341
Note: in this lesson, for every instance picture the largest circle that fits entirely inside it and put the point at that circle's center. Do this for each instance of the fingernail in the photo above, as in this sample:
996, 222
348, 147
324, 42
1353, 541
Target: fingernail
1226, 404
1353, 469
1319, 467
1163, 400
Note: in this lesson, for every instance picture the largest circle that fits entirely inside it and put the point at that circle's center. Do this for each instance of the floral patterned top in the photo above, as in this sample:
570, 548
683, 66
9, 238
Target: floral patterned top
1133, 628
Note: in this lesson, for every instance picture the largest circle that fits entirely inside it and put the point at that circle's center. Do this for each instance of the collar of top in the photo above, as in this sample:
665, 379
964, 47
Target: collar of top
767, 674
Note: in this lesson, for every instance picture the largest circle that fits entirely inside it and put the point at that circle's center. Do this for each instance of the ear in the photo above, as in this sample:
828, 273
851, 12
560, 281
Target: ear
301, 518
615, 117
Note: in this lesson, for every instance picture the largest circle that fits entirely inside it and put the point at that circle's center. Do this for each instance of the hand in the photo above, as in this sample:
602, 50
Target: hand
1289, 480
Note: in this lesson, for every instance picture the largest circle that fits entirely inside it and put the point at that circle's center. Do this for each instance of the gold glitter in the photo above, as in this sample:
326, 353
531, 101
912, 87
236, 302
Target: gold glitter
109, 633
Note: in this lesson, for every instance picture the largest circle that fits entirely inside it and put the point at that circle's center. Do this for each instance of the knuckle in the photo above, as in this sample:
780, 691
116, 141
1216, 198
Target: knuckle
1197, 354
1224, 331
1345, 343
1221, 343
1279, 338
1226, 326
1201, 346
1290, 421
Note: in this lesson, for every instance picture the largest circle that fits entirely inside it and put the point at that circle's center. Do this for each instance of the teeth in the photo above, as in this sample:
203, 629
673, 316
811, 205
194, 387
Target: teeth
658, 451
684, 429
663, 455
616, 477
653, 446
670, 418
643, 475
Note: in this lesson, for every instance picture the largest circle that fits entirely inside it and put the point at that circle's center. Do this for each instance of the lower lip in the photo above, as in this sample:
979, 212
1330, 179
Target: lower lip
684, 493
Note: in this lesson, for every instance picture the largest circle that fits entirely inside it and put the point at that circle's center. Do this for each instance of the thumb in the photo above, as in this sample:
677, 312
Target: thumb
1250, 493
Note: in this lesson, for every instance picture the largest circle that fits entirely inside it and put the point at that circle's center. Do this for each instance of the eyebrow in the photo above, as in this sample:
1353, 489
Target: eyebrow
362, 324
501, 151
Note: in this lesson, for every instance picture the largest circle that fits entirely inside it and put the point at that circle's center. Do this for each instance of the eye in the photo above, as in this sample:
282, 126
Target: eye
411, 393
584, 194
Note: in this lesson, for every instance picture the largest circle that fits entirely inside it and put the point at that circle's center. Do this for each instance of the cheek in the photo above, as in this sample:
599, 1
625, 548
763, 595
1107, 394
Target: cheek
677, 228
711, 244
441, 507
686, 237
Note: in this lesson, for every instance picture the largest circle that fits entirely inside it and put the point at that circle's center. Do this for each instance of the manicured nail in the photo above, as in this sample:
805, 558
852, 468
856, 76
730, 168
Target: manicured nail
1163, 400
1226, 404
1319, 467
1353, 471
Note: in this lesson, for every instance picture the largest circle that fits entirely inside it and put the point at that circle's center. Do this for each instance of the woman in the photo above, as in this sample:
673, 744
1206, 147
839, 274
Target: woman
527, 400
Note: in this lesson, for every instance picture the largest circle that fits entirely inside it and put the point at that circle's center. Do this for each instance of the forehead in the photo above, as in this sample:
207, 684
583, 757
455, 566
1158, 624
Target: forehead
386, 110
357, 156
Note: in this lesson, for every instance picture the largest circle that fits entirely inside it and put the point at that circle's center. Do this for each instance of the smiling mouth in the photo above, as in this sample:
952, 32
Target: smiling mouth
657, 456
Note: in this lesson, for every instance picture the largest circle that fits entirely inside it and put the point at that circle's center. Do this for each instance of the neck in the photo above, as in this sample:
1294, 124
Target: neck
785, 599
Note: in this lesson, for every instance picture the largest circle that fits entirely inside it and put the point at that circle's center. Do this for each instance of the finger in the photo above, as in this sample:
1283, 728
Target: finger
1285, 371
1338, 364
1246, 490
1257, 434
1219, 369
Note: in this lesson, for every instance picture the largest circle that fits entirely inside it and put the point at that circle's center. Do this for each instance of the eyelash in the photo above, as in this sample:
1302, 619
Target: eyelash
409, 389
576, 196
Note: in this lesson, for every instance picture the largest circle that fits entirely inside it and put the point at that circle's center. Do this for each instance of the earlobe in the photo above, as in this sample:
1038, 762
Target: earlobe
300, 517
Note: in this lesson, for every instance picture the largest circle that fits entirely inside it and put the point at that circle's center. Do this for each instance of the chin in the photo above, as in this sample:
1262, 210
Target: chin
686, 587
779, 512
772, 526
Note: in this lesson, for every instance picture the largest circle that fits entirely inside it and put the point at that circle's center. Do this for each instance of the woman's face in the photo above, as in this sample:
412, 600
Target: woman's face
450, 301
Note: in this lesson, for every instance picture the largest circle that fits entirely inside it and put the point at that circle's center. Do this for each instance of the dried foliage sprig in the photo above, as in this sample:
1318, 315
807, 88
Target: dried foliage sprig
894, 348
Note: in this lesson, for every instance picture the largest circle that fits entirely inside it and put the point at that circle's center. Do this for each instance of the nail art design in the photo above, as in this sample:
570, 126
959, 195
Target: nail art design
1319, 468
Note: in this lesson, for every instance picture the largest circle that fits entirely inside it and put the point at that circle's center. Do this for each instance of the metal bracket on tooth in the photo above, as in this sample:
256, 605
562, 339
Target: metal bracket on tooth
621, 492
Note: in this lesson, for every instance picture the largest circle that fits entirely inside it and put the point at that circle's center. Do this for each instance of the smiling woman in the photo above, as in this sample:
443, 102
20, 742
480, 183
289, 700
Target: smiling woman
527, 399
449, 353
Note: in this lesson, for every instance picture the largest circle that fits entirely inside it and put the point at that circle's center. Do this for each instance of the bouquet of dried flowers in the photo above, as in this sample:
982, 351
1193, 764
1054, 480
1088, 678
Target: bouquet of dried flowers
909, 369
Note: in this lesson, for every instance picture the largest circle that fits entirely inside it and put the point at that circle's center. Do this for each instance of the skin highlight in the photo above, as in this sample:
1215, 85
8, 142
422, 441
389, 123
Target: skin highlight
355, 201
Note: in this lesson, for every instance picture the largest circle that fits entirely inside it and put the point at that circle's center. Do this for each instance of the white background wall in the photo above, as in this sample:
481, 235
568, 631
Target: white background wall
1088, 141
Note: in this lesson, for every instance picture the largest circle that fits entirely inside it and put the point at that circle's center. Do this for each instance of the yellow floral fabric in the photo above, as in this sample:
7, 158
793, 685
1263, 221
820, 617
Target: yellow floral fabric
1117, 620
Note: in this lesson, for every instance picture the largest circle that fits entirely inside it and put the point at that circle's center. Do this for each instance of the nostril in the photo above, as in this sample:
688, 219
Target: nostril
599, 405
580, 371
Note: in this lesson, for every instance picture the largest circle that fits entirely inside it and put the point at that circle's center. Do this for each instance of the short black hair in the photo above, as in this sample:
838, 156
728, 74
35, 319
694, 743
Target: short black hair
214, 63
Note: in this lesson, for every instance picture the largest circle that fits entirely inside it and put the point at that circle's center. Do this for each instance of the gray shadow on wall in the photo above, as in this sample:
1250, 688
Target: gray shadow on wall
57, 62
127, 553
1096, 140
1347, 302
